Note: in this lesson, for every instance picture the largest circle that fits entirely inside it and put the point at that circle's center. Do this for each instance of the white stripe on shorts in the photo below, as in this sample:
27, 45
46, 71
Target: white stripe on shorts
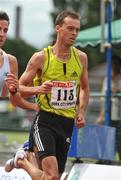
37, 137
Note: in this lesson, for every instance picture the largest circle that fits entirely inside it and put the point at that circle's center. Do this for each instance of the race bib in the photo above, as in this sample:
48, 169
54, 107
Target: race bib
63, 94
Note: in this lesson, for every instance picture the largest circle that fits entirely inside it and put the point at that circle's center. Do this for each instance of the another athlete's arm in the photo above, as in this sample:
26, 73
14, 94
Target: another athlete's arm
14, 69
12, 85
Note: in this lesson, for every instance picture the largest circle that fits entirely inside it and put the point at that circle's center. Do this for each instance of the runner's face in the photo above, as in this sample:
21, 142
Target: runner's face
3, 31
69, 30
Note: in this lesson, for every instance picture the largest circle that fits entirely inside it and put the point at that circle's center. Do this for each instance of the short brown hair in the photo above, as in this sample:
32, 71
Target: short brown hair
4, 16
67, 13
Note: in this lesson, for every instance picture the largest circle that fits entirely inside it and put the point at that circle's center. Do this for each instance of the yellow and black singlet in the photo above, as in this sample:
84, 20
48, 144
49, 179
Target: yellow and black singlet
66, 79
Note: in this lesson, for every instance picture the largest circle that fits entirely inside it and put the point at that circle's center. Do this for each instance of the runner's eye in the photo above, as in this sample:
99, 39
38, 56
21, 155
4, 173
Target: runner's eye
6, 30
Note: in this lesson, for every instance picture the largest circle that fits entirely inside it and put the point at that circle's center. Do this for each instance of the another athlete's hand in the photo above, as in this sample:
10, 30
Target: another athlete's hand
12, 82
99, 120
36, 107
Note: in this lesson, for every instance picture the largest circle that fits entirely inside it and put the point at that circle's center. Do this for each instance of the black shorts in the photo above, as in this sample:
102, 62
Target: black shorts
51, 133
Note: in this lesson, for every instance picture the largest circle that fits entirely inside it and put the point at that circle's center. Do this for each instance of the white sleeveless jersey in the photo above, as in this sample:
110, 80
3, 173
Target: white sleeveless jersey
4, 70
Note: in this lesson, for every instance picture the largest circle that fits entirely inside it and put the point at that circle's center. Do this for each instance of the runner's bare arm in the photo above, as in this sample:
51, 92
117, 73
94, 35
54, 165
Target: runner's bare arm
33, 68
84, 92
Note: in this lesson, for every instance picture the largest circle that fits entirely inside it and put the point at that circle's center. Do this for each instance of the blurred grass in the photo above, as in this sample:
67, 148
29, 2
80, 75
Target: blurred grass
20, 137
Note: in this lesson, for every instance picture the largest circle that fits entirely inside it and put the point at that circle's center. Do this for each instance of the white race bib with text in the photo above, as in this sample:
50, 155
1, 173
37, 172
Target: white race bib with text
63, 94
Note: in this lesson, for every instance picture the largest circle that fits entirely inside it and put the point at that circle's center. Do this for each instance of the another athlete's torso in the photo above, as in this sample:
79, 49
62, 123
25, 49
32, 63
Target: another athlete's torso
3, 71
66, 79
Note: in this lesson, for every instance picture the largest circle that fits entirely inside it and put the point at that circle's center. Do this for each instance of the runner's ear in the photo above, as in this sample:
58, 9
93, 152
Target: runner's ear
57, 28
